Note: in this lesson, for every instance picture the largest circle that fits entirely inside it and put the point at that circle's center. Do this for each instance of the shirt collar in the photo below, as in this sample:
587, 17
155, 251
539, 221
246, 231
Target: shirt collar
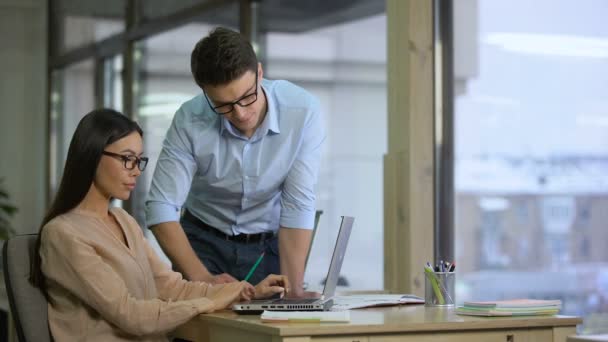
272, 114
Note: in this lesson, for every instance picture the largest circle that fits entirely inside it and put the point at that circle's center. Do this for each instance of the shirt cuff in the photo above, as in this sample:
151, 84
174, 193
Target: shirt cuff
291, 218
158, 212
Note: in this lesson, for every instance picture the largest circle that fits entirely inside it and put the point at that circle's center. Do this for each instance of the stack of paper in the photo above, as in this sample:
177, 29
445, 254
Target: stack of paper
371, 300
514, 307
305, 316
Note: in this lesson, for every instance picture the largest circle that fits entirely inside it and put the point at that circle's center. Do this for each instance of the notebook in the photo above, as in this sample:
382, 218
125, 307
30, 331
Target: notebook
371, 300
305, 316
514, 307
516, 303
309, 304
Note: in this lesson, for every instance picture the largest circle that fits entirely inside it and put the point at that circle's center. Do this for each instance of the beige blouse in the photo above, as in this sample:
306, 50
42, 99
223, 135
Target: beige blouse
105, 291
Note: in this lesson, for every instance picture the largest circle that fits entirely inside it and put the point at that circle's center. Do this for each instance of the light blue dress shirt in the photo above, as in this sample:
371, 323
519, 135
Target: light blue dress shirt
237, 184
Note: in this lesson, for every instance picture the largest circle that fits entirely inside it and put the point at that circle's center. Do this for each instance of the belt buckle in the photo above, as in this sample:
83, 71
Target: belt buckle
247, 238
254, 238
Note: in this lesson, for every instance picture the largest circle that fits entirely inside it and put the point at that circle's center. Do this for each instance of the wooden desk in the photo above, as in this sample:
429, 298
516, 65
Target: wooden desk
390, 324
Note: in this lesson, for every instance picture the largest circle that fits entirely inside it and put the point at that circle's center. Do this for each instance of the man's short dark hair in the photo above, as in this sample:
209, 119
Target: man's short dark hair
221, 57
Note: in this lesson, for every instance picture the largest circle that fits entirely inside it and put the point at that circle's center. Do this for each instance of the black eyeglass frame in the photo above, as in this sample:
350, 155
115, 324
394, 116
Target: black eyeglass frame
125, 159
237, 102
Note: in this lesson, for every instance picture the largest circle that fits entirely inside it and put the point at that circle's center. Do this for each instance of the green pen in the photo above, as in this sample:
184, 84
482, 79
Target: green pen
257, 262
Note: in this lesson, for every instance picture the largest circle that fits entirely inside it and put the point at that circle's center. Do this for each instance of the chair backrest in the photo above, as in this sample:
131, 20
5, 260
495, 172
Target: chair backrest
28, 305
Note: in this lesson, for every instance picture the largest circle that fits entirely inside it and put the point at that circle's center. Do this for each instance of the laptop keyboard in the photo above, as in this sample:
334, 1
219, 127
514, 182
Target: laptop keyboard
295, 301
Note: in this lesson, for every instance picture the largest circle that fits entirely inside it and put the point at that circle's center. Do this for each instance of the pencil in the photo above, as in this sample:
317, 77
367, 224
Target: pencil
257, 262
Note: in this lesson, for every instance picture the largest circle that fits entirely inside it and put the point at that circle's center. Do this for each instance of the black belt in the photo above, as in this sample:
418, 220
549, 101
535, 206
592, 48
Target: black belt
242, 238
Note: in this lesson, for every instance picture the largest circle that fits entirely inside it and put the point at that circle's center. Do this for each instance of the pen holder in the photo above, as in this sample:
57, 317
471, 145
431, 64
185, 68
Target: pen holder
439, 289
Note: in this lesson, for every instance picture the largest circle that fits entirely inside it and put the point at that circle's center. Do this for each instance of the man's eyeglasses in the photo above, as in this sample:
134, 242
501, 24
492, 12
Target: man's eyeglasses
129, 161
244, 101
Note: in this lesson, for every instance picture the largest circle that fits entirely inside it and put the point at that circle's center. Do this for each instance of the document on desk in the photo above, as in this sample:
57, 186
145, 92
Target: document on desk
305, 316
371, 300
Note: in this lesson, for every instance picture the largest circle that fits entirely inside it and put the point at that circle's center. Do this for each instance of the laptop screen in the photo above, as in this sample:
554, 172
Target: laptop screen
338, 257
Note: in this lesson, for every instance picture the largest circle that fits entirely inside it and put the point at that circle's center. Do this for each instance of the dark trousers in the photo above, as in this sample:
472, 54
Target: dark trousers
235, 258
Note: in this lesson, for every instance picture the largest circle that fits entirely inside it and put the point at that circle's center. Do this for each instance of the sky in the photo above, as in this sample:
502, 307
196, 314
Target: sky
542, 83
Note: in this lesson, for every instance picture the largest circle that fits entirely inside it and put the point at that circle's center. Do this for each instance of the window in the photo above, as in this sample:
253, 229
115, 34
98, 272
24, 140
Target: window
81, 23
72, 96
348, 75
531, 129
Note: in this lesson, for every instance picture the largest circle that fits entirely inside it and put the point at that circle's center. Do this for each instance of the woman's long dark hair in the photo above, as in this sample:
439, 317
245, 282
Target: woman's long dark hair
94, 132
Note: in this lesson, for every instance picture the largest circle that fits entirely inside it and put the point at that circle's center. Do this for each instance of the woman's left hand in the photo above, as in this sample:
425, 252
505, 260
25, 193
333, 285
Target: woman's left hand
223, 296
272, 285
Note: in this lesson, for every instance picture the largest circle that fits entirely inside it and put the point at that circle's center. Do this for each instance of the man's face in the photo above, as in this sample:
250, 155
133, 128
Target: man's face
241, 101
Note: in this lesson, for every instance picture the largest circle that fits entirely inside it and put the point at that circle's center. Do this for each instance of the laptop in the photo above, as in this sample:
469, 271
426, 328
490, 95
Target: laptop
309, 304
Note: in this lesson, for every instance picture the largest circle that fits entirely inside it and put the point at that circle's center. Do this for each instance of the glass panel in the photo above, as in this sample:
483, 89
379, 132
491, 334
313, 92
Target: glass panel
72, 96
163, 83
84, 22
112, 83
531, 120
112, 95
349, 77
55, 132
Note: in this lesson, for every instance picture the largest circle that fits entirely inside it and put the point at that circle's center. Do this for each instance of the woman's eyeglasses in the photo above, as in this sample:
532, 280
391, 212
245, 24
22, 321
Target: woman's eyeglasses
129, 161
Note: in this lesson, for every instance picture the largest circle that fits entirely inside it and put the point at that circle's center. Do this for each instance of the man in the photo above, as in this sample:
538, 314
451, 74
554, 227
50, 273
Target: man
241, 160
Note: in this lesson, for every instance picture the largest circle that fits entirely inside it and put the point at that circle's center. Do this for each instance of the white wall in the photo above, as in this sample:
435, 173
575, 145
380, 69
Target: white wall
23, 85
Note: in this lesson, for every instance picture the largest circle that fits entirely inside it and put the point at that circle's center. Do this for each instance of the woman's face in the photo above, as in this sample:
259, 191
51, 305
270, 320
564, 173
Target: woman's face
113, 179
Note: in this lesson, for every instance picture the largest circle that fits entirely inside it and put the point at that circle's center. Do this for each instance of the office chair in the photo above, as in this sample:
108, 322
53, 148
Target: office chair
27, 303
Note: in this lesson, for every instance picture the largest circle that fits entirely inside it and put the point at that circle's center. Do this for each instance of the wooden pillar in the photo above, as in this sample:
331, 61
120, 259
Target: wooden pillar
408, 165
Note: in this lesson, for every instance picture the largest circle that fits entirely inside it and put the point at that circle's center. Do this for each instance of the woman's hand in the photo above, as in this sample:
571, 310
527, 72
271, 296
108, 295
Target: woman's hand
231, 293
272, 285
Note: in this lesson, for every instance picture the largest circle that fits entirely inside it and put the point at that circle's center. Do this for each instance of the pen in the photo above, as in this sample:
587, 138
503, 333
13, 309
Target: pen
257, 262
435, 284
452, 267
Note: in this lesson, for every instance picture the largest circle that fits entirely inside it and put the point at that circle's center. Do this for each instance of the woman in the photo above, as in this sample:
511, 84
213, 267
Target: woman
101, 278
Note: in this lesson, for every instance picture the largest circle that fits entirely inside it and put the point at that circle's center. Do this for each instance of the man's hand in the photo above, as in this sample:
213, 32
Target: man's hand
223, 278
272, 285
